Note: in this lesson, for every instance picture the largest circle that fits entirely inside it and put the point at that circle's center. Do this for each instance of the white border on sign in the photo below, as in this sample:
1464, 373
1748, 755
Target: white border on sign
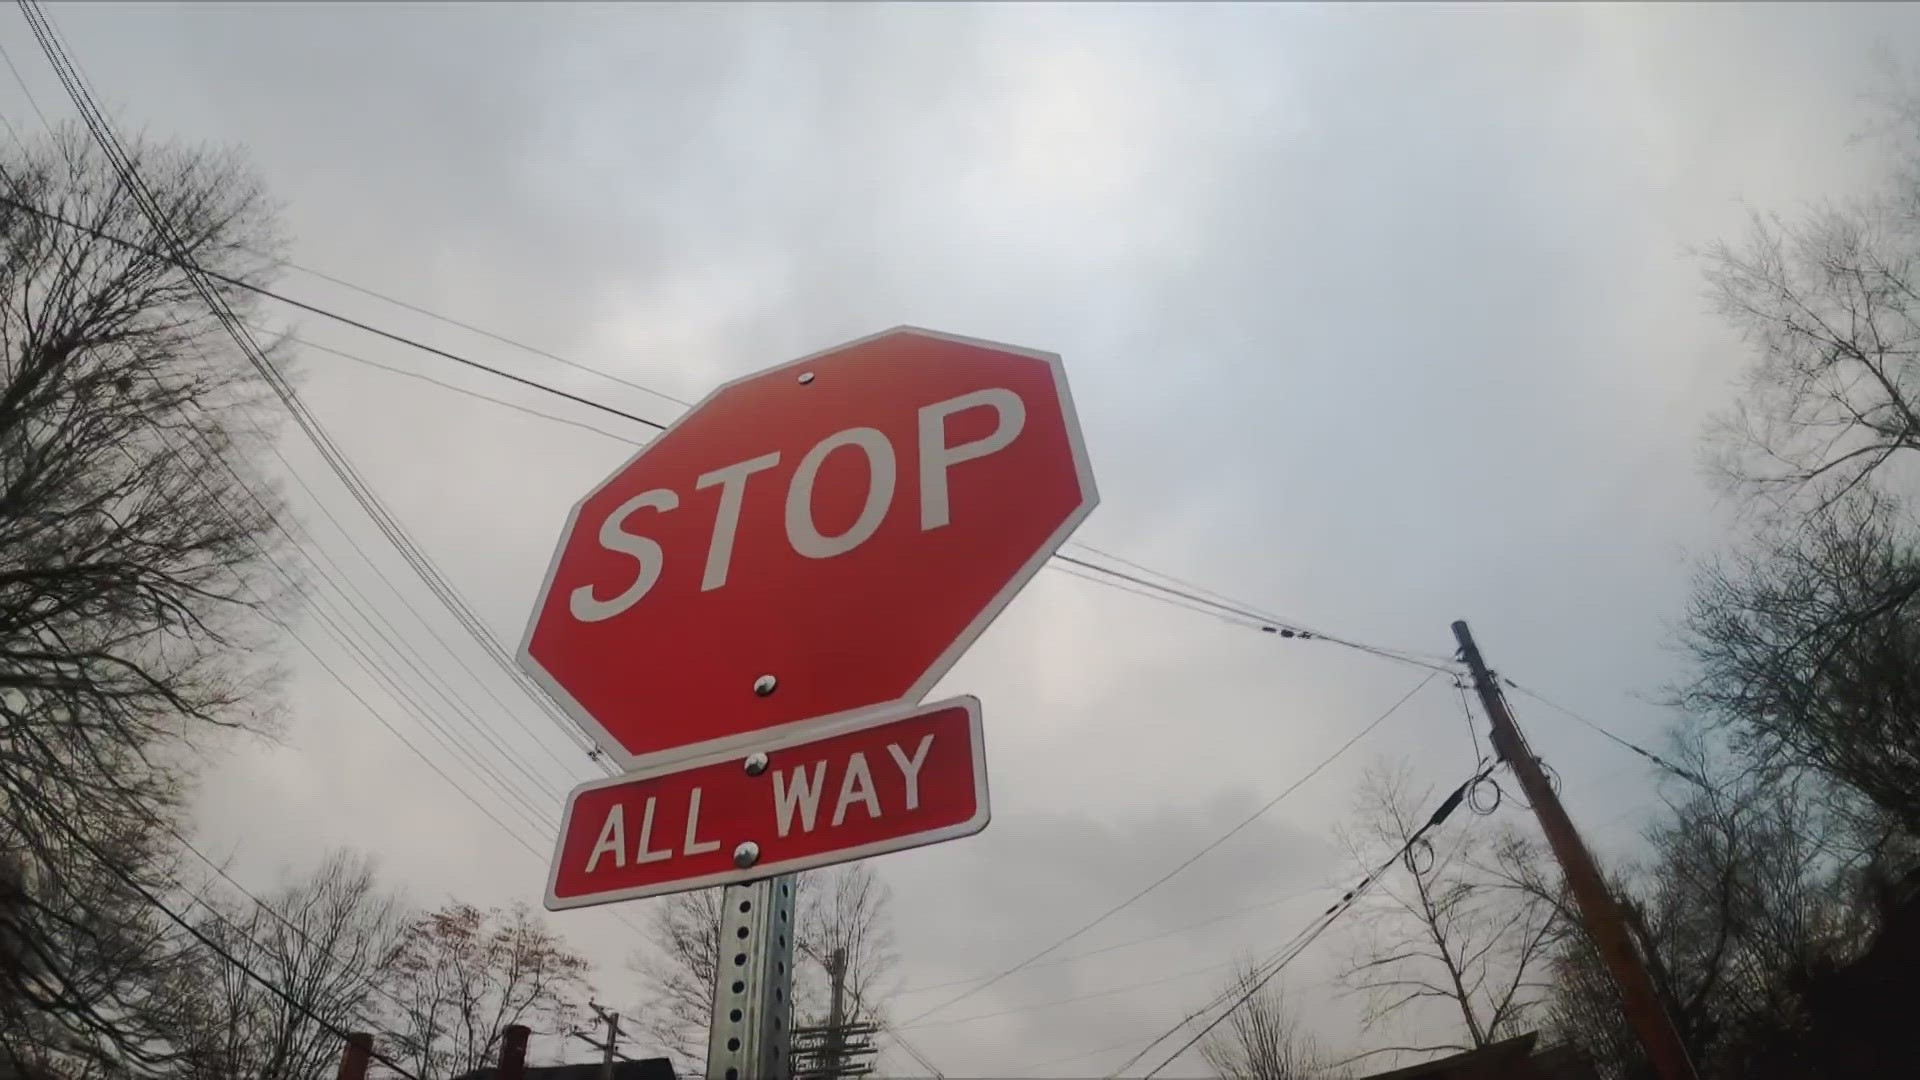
793, 736
1089, 498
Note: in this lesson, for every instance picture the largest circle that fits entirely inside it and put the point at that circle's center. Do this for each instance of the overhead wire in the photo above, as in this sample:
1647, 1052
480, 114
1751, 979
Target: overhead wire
335, 459
1685, 774
357, 648
443, 588
874, 1014
483, 332
1207, 597
149, 206
1141, 893
1157, 597
71, 79
1205, 594
262, 905
113, 866
1204, 602
1299, 945
1111, 991
1466, 711
24, 89
1437, 663
1129, 943
1267, 623
464, 390
333, 622
1276, 960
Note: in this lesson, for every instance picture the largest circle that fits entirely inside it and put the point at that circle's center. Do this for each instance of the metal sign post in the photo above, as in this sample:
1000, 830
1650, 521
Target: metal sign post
753, 983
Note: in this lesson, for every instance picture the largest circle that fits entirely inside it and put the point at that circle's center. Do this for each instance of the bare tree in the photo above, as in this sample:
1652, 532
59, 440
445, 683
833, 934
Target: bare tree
329, 941
94, 976
685, 931
1261, 1039
1443, 933
130, 573
1808, 649
463, 975
1831, 306
845, 910
1753, 884
1806, 638
840, 908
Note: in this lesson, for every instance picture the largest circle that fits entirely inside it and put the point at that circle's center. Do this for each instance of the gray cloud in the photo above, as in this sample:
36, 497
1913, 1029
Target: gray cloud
1381, 316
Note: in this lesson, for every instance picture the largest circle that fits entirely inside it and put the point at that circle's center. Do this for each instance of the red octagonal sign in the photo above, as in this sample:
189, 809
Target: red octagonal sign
824, 536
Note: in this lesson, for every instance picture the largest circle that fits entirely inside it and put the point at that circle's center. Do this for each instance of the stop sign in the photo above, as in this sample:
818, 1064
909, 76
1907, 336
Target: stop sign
824, 536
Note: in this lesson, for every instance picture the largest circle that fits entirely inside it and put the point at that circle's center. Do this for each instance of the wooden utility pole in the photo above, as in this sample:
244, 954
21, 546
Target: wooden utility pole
608, 1049
1603, 917
353, 1059
836, 1010
839, 1049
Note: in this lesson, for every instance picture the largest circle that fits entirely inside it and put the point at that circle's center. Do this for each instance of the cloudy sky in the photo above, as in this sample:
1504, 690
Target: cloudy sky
1376, 316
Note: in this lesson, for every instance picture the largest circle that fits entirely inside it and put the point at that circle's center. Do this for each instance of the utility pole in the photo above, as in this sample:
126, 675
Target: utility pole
1603, 917
838, 1049
353, 1059
836, 1009
610, 1048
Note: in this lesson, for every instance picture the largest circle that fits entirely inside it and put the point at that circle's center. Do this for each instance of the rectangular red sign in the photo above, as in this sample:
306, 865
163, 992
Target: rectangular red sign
896, 778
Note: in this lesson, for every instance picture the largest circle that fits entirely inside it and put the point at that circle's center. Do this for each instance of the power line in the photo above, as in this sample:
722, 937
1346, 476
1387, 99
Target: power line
336, 629
1245, 615
351, 483
335, 459
1685, 774
1439, 815
458, 389
1266, 623
310, 426
150, 206
1466, 713
342, 466
1126, 988
875, 1015
266, 907
1437, 663
483, 332
1206, 597
1157, 597
1131, 942
1062, 1060
261, 290
18, 78
1275, 961
214, 456
181, 921
1195, 857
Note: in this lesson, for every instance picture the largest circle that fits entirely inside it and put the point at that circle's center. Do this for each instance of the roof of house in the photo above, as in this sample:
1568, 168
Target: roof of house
1494, 1060
644, 1069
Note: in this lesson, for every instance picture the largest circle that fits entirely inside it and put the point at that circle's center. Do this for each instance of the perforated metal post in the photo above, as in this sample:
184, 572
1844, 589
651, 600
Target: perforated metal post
753, 983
